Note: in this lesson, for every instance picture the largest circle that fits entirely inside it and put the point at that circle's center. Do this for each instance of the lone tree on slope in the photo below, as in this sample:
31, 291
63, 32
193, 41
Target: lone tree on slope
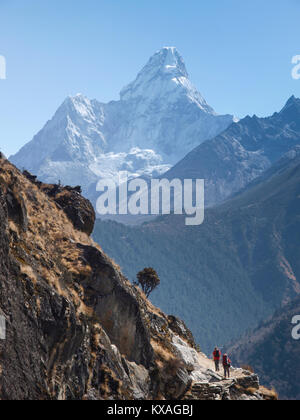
148, 280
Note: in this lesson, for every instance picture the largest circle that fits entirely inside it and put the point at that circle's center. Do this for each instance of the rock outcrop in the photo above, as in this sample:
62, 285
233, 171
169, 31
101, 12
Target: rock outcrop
75, 327
79, 210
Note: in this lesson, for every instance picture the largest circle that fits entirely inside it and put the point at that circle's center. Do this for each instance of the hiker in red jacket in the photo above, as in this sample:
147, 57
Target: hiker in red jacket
217, 358
226, 366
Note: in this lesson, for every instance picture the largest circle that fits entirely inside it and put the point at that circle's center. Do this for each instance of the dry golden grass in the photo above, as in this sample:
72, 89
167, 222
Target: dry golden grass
26, 269
251, 391
248, 368
268, 394
48, 248
48, 251
162, 353
150, 307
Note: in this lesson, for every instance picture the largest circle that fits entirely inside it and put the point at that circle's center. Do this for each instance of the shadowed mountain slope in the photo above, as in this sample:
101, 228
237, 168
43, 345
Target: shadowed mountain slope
233, 271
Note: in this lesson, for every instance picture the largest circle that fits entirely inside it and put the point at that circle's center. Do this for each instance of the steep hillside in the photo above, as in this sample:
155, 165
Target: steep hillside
75, 327
230, 273
241, 153
272, 351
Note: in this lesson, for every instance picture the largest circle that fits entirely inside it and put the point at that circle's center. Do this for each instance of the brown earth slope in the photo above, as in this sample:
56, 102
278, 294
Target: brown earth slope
75, 327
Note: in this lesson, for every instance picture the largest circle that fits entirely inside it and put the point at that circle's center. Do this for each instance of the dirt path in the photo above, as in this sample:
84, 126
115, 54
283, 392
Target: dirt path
209, 364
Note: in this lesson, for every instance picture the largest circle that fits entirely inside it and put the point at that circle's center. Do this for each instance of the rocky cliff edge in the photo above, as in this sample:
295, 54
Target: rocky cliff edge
75, 327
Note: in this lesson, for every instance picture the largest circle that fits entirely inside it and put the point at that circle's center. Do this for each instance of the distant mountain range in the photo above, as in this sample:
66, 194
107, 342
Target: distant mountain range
235, 270
230, 161
273, 352
243, 264
160, 127
159, 118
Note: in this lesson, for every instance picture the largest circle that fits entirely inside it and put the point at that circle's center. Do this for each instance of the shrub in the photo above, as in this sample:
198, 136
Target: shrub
148, 280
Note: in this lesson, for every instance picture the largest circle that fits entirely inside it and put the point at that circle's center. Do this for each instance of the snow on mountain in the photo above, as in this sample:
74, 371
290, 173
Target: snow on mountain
242, 153
165, 72
159, 118
163, 111
136, 163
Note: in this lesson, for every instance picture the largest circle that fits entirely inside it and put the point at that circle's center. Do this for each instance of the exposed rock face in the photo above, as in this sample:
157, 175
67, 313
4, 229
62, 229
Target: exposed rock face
76, 328
229, 390
78, 209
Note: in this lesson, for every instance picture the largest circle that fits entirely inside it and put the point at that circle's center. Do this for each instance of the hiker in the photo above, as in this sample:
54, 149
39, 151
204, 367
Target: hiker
226, 366
217, 358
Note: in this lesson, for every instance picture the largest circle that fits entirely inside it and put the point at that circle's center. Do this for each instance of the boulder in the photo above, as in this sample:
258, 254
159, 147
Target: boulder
248, 381
78, 209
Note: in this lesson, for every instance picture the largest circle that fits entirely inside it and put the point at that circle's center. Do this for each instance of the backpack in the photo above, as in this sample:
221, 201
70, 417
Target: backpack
217, 354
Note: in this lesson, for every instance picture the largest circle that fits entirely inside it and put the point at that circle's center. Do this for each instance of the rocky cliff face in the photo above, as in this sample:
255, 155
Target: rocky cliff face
75, 327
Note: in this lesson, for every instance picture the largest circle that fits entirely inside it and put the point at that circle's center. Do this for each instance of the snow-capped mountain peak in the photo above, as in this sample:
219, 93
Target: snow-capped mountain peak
160, 118
165, 64
78, 106
166, 61
165, 75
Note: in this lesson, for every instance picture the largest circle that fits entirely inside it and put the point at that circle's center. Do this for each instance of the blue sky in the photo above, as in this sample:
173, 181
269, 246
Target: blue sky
238, 53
